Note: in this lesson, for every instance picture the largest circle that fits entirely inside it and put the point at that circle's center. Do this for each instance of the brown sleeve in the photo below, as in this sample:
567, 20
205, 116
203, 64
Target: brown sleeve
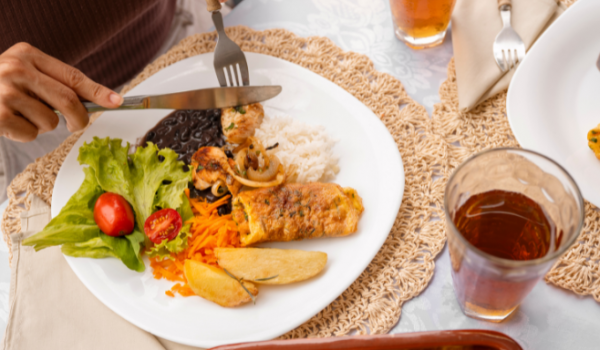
109, 40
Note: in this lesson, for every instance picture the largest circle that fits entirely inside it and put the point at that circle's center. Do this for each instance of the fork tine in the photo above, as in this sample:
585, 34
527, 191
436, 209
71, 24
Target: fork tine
233, 75
226, 73
243, 67
502, 61
238, 73
221, 77
499, 59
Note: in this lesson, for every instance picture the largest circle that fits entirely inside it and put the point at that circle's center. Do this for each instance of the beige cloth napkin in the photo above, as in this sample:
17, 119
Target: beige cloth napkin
475, 24
51, 309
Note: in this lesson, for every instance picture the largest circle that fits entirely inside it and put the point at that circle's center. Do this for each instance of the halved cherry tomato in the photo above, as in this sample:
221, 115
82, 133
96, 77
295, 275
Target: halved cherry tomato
164, 224
113, 215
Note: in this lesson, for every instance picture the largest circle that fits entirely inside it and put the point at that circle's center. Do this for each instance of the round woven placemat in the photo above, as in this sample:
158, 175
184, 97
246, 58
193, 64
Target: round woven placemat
487, 127
405, 263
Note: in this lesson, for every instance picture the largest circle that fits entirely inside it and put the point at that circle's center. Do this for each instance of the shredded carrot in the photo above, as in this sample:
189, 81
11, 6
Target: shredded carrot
208, 231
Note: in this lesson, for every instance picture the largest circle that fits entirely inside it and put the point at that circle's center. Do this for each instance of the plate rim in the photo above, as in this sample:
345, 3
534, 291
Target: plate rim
341, 286
511, 97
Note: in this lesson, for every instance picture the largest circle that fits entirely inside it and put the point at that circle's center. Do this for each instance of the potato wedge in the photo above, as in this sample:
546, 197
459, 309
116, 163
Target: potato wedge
215, 285
253, 264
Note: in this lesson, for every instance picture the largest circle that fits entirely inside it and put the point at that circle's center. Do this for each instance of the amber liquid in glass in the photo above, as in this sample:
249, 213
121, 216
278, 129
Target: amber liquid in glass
421, 19
507, 225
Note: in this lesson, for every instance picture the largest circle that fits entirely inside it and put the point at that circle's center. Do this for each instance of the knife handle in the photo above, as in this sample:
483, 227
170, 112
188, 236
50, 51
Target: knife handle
213, 5
132, 102
504, 2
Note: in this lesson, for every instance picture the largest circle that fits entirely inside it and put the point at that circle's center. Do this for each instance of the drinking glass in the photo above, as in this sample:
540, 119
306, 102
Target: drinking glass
421, 23
488, 287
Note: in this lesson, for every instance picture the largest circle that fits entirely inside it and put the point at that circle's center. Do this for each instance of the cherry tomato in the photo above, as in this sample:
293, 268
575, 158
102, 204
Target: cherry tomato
164, 224
113, 215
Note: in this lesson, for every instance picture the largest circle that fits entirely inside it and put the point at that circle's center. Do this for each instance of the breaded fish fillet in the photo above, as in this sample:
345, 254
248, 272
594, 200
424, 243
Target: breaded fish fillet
296, 211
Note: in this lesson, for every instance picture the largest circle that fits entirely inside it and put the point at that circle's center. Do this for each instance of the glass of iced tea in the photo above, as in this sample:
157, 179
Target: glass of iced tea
510, 214
421, 23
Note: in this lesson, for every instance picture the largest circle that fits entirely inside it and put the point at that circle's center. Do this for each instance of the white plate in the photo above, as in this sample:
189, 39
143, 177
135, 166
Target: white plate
554, 97
369, 162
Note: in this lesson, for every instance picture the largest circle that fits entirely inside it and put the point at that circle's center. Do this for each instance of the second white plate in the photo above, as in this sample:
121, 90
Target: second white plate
554, 97
369, 162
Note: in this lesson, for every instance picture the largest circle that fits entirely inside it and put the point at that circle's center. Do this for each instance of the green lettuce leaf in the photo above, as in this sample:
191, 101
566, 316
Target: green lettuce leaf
185, 210
147, 179
124, 249
94, 248
75, 223
141, 178
176, 245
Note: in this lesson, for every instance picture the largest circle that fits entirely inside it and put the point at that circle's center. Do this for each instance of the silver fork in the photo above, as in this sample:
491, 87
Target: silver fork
230, 62
509, 49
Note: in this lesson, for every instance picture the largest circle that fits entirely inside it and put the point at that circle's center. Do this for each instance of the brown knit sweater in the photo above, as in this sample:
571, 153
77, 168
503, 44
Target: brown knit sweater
109, 40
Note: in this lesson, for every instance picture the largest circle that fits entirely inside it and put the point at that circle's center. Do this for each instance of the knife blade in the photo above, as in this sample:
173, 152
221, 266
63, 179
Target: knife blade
221, 97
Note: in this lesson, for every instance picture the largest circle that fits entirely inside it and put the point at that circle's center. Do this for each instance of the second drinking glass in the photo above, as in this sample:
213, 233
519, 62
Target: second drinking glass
510, 214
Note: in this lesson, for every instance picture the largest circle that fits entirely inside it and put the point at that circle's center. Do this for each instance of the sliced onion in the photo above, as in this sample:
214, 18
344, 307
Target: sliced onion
215, 188
261, 150
267, 174
252, 160
240, 160
279, 179
246, 143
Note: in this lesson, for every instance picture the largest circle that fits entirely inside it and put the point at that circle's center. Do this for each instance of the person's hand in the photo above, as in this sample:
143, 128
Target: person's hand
27, 77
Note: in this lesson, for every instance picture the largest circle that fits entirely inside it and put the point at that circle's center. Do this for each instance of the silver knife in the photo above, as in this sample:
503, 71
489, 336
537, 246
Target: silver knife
221, 97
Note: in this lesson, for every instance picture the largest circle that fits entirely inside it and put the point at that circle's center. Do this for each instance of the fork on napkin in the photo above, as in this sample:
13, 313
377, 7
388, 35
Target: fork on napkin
475, 24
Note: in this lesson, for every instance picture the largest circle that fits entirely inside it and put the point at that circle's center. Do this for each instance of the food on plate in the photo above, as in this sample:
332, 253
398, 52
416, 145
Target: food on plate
184, 131
113, 215
240, 122
208, 230
149, 179
254, 166
305, 150
593, 143
296, 211
163, 224
271, 266
210, 167
193, 202
216, 285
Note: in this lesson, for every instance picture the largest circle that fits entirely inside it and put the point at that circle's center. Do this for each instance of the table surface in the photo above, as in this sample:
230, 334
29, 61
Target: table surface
549, 318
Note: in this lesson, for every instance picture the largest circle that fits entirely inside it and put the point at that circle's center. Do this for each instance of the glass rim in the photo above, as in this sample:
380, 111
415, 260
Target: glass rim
508, 262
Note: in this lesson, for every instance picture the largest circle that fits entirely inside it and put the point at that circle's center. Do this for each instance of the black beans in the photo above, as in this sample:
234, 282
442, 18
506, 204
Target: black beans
185, 131
169, 122
210, 198
185, 135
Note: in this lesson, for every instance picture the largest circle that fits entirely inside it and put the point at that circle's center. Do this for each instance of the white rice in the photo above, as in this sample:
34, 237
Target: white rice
305, 149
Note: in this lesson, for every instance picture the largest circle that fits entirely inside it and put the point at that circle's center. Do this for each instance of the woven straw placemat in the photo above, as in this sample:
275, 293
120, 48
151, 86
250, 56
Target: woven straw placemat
487, 127
405, 263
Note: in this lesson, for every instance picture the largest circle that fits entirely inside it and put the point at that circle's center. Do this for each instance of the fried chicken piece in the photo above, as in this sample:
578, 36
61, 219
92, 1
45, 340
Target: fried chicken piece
239, 123
209, 166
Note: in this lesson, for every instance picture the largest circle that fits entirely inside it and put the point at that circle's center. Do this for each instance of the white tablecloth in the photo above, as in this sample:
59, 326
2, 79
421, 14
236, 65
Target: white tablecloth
549, 318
